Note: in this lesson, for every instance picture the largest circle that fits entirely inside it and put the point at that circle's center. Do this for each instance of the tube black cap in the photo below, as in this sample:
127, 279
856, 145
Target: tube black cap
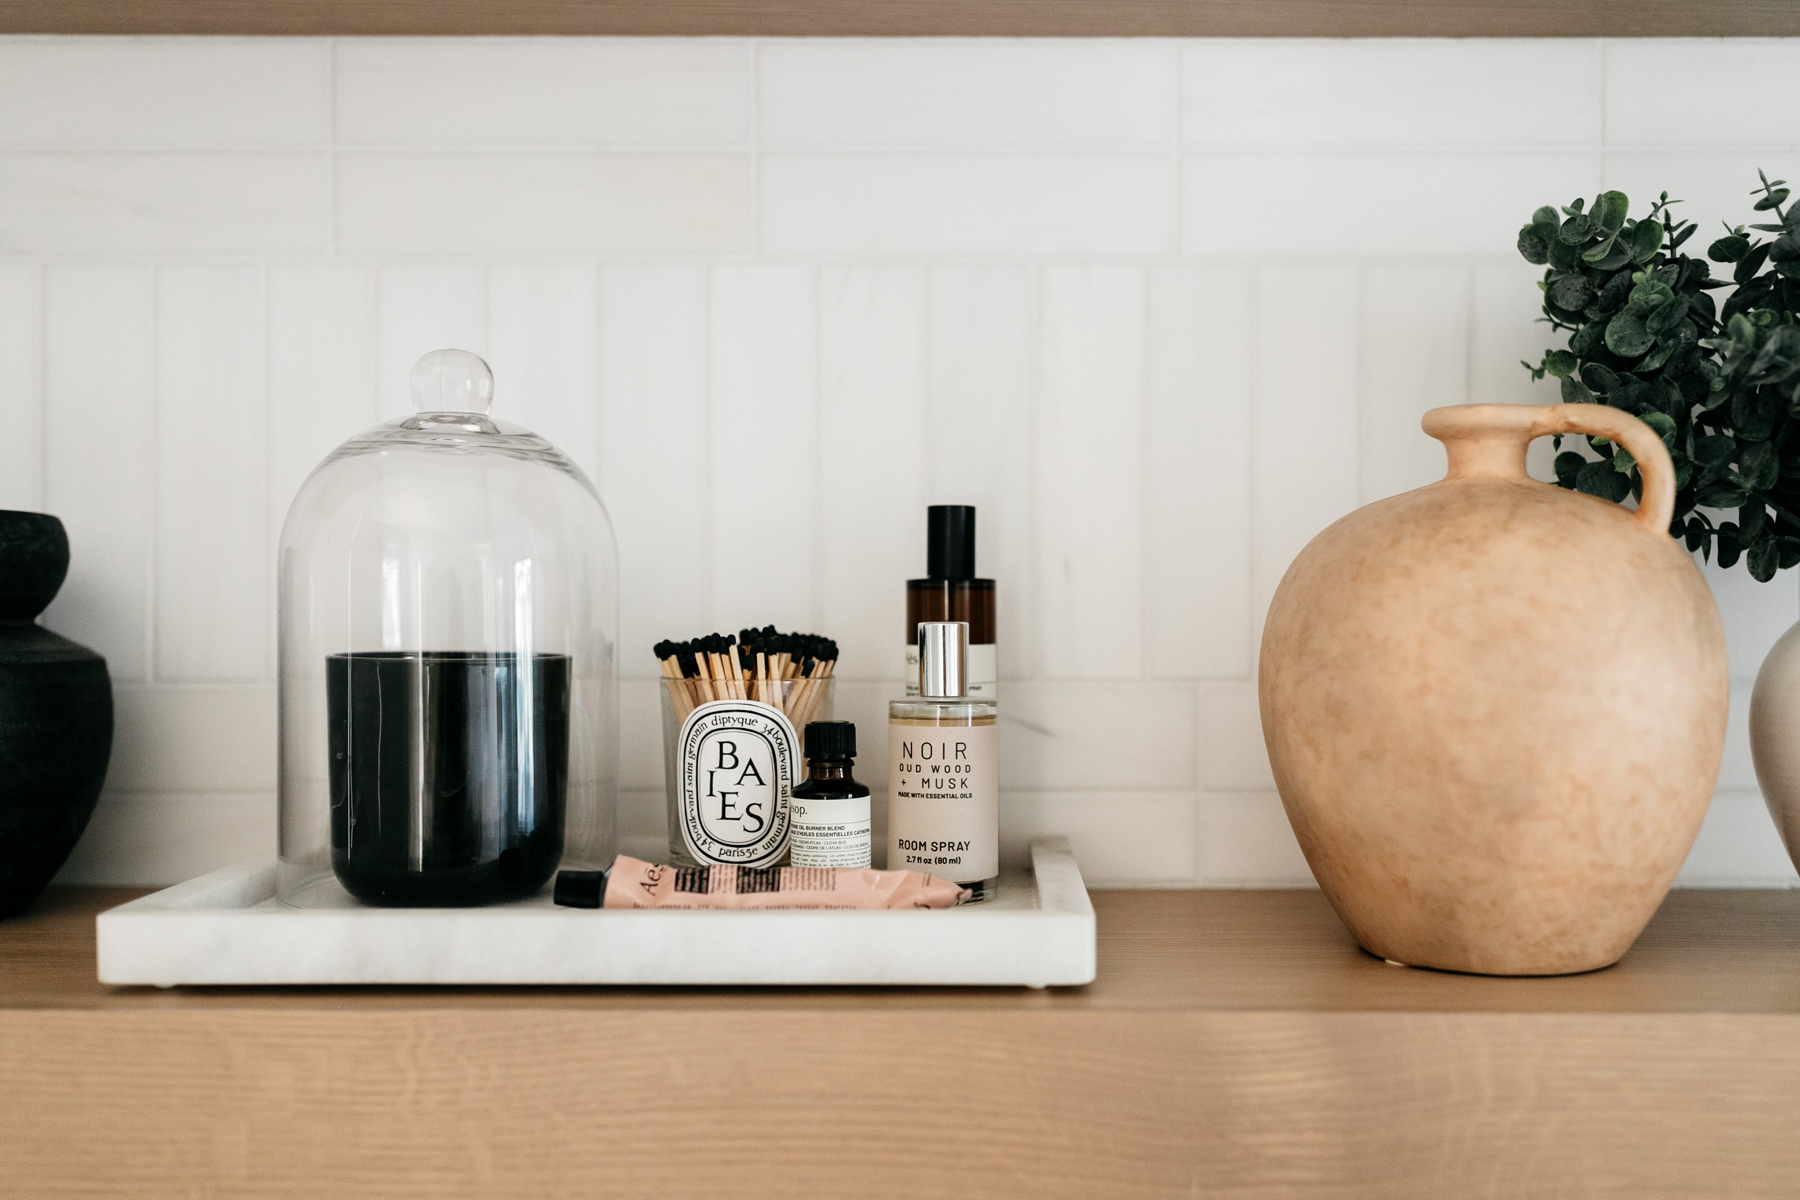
581, 889
831, 741
950, 541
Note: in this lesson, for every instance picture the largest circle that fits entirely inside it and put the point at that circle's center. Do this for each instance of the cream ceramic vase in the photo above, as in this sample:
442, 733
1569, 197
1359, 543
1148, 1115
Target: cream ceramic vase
1775, 737
1495, 708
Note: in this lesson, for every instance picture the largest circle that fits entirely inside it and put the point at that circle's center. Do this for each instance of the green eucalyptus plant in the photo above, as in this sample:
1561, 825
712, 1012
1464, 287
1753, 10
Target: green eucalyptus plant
1721, 384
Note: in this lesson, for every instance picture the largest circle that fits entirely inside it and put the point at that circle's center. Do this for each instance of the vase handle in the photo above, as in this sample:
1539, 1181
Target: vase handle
1489, 440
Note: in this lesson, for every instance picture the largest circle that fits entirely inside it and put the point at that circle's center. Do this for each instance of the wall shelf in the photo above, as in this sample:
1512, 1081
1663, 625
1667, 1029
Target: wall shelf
1012, 18
1234, 1042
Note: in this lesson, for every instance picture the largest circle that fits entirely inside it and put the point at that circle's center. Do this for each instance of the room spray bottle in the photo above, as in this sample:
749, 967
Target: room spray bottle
943, 769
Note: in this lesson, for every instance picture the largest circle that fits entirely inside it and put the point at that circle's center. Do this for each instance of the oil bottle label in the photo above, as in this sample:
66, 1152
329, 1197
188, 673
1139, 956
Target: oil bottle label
830, 832
736, 760
944, 801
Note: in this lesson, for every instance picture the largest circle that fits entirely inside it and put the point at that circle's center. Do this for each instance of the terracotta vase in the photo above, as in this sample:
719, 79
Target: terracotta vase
1495, 708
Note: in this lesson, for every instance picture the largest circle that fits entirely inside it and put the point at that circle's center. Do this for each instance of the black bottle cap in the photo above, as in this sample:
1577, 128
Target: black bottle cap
831, 741
581, 889
950, 541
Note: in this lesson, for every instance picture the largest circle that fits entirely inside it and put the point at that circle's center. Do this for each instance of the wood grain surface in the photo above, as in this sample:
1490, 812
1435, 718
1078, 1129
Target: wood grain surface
1015, 18
1235, 1044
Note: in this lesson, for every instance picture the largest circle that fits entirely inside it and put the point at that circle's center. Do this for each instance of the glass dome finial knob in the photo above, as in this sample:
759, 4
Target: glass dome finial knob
452, 381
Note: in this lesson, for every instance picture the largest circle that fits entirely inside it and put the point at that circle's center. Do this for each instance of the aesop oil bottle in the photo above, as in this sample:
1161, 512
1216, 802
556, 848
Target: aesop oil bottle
943, 770
950, 592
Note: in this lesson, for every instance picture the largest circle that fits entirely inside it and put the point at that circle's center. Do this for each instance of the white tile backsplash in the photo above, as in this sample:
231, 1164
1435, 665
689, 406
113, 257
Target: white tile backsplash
21, 386
527, 92
1374, 93
542, 204
131, 205
967, 204
1160, 309
966, 93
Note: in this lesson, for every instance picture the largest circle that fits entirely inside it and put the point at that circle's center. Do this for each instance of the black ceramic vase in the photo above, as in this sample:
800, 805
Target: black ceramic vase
56, 716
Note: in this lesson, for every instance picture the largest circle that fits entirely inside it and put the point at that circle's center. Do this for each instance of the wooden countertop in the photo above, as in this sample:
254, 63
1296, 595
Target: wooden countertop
1234, 1043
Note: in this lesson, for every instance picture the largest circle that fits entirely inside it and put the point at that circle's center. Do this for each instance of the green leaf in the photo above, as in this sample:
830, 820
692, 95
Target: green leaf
1760, 465
1664, 426
1646, 240
1576, 392
1752, 263
1534, 247
1572, 292
1598, 377
1720, 494
1547, 215
1729, 546
1601, 250
1667, 315
1751, 518
1696, 534
1771, 200
1714, 451
1626, 335
1764, 558
1568, 466
1560, 363
1610, 210
1575, 230
1599, 479
1729, 248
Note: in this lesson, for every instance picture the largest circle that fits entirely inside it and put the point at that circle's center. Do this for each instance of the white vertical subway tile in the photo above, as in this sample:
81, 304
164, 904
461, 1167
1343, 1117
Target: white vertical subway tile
322, 370
1115, 736
1246, 841
1304, 451
1506, 330
99, 447
1755, 614
979, 438
1695, 92
966, 92
193, 738
1340, 204
543, 344
164, 93
558, 204
1197, 474
1390, 92
655, 474
641, 735
967, 204
424, 309
1737, 847
1131, 839
1233, 754
213, 560
544, 91
871, 460
764, 459
21, 388
1415, 357
157, 839
134, 204
1089, 473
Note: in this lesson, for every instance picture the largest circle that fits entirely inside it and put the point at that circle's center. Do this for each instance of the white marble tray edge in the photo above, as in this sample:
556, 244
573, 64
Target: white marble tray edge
228, 928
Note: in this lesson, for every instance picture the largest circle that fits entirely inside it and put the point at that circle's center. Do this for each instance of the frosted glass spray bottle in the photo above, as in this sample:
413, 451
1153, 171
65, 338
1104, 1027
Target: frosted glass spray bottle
943, 769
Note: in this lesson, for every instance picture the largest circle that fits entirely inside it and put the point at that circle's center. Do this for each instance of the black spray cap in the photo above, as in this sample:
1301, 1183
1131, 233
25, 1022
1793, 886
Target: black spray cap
831, 741
950, 541
581, 889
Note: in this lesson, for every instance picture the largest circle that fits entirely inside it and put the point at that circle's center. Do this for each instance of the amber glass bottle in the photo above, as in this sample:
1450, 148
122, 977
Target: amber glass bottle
951, 592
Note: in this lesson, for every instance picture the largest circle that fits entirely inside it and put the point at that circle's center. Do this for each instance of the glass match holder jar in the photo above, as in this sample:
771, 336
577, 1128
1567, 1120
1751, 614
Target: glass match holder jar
800, 701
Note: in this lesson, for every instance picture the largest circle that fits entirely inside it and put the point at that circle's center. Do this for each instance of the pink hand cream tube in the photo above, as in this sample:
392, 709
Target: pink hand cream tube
633, 883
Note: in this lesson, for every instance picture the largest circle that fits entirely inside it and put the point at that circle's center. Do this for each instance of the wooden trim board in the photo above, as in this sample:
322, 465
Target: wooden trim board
1234, 1043
916, 18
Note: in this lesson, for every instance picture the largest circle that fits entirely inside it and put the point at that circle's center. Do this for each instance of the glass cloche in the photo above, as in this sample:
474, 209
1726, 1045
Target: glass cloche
448, 615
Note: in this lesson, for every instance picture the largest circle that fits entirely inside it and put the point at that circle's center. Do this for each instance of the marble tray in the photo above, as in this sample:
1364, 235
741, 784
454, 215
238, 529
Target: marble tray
228, 928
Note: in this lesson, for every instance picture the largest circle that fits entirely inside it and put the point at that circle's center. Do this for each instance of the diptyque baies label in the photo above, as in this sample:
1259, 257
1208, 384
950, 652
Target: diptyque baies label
944, 801
736, 761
